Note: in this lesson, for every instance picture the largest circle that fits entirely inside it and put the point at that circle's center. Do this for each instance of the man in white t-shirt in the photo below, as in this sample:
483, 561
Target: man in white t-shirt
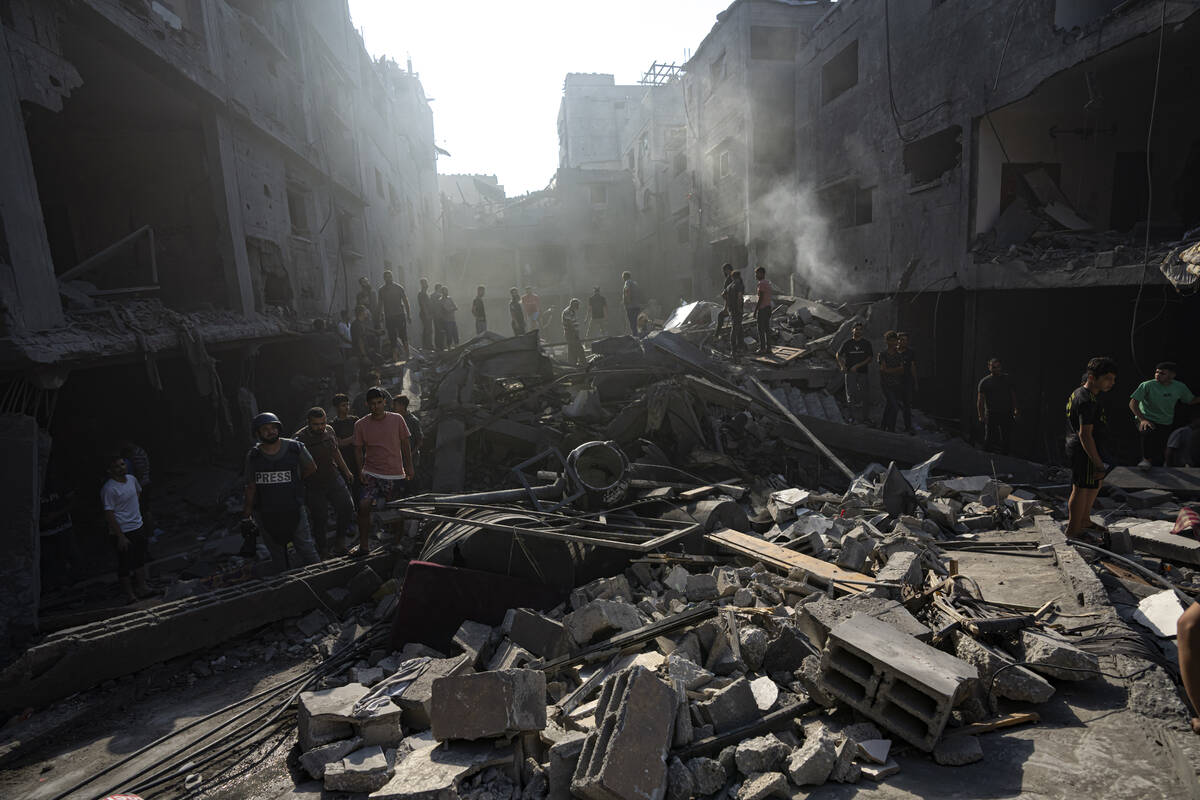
121, 496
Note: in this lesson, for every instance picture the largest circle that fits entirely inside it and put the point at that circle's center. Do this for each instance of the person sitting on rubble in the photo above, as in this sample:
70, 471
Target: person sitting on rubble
597, 314
762, 310
891, 377
325, 486
570, 323
383, 451
121, 497
275, 471
1153, 405
854, 357
1087, 424
996, 407
1183, 447
516, 311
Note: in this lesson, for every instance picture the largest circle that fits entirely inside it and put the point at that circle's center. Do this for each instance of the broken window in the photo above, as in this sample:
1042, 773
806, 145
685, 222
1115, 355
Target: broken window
772, 43
297, 199
928, 158
847, 204
840, 73
350, 234
599, 195
716, 70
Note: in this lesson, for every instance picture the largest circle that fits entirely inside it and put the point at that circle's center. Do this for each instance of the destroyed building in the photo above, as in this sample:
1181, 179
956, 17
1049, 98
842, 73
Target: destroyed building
186, 186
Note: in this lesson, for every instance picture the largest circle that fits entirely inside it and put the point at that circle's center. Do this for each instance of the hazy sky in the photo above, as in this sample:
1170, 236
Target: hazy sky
495, 70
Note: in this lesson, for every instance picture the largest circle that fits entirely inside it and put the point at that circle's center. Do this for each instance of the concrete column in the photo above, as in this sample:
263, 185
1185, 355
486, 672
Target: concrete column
30, 269
222, 163
20, 579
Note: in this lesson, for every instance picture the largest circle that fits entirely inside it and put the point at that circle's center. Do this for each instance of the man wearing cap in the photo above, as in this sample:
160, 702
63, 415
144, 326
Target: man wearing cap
275, 472
1153, 405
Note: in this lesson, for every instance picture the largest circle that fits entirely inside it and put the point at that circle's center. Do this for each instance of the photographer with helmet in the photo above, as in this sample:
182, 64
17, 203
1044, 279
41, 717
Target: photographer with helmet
275, 473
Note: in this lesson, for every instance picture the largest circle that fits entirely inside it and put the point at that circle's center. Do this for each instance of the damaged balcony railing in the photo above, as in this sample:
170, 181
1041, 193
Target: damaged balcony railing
92, 262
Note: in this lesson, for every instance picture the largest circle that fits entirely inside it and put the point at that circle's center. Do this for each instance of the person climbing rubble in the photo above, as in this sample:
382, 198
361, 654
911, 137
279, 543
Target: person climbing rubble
121, 497
383, 453
1087, 429
275, 470
570, 323
325, 487
516, 311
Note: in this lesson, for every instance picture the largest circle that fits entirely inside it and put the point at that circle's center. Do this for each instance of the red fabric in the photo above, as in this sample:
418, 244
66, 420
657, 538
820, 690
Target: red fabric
1187, 523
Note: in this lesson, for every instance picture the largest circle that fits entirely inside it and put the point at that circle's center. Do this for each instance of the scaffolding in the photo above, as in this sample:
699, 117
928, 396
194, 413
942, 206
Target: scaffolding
659, 74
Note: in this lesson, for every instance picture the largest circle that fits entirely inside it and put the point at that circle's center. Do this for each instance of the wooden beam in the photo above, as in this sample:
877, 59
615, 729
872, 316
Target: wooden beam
822, 572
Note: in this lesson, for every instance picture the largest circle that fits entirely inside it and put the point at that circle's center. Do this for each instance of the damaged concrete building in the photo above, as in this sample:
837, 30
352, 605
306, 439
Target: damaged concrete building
187, 185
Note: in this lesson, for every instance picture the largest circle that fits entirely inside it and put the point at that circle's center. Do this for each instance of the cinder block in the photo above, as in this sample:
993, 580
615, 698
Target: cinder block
902, 567
564, 756
816, 618
626, 755
488, 704
540, 635
902, 684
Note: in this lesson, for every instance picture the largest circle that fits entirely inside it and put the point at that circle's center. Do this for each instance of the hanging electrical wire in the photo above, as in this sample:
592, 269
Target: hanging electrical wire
899, 119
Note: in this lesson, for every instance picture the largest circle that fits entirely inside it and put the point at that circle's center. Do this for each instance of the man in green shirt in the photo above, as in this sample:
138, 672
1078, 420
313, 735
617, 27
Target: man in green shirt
1153, 404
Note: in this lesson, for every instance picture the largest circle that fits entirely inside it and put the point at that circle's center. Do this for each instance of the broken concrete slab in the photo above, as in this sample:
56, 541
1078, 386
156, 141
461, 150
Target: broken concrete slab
364, 770
488, 704
1156, 539
1052, 656
416, 699
815, 619
731, 707
957, 751
683, 669
539, 634
432, 772
326, 716
1160, 613
614, 588
1015, 683
473, 639
844, 769
563, 758
708, 776
764, 784
761, 754
625, 756
876, 772
315, 760
811, 763
601, 618
701, 587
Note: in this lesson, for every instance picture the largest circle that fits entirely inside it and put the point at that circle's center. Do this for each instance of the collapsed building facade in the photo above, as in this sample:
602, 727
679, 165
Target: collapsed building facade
187, 185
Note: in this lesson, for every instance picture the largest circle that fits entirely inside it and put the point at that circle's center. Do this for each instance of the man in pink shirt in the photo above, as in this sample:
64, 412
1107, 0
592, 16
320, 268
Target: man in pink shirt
762, 310
384, 459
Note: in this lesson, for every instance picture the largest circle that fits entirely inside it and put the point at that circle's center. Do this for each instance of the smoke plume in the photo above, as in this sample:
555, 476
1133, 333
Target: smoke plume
792, 221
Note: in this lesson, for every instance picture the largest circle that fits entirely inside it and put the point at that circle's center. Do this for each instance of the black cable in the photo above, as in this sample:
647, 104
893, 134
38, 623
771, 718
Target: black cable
898, 119
1130, 676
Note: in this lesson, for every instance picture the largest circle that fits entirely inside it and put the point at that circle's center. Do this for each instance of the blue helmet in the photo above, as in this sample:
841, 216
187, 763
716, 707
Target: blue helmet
265, 418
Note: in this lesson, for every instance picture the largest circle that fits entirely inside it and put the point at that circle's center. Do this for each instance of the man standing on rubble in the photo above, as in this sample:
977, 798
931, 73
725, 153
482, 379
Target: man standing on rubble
736, 303
532, 304
425, 312
1087, 424
121, 497
276, 469
996, 407
723, 314
570, 323
516, 311
631, 298
1153, 405
393, 301
891, 378
343, 428
367, 299
438, 311
762, 311
449, 308
478, 311
384, 461
325, 486
854, 357
415, 435
908, 382
597, 313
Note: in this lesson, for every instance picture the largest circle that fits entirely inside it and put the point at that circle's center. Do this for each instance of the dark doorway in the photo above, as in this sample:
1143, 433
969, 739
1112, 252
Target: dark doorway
1130, 191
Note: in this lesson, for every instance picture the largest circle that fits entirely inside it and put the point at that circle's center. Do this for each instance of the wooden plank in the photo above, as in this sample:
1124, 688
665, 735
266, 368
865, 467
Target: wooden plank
821, 572
1007, 721
780, 355
1184, 480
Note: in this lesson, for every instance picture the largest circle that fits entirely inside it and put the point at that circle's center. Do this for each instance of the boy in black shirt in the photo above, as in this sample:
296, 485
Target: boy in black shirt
996, 407
1087, 424
854, 357
891, 380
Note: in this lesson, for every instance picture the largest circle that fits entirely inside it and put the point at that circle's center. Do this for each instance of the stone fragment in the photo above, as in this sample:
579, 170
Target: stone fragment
680, 784
727, 581
364, 770
809, 676
488, 704
731, 707
614, 588
861, 731
539, 634
955, 751
472, 638
876, 772
367, 676
744, 598
1015, 683
564, 756
315, 760
753, 641
1049, 656
760, 754
816, 618
762, 785
682, 668
844, 769
381, 726
434, 771
875, 750
785, 651
811, 763
416, 699
364, 584
708, 776
700, 588
312, 623
856, 549
766, 693
902, 567
677, 579
325, 716
509, 655
600, 619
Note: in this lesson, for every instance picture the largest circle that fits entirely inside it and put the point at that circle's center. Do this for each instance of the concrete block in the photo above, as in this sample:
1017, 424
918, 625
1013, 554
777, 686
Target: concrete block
816, 618
625, 756
381, 727
1048, 653
488, 704
364, 770
727, 581
544, 637
844, 769
680, 784
753, 642
708, 776
744, 598
785, 651
1156, 539
764, 784
682, 668
677, 579
614, 588
367, 676
902, 567
564, 756
898, 682
1015, 683
1148, 498
601, 619
731, 707
325, 716
315, 760
700, 588
473, 638
416, 699
432, 772
760, 754
766, 693
856, 549
509, 655
811, 763
956, 751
